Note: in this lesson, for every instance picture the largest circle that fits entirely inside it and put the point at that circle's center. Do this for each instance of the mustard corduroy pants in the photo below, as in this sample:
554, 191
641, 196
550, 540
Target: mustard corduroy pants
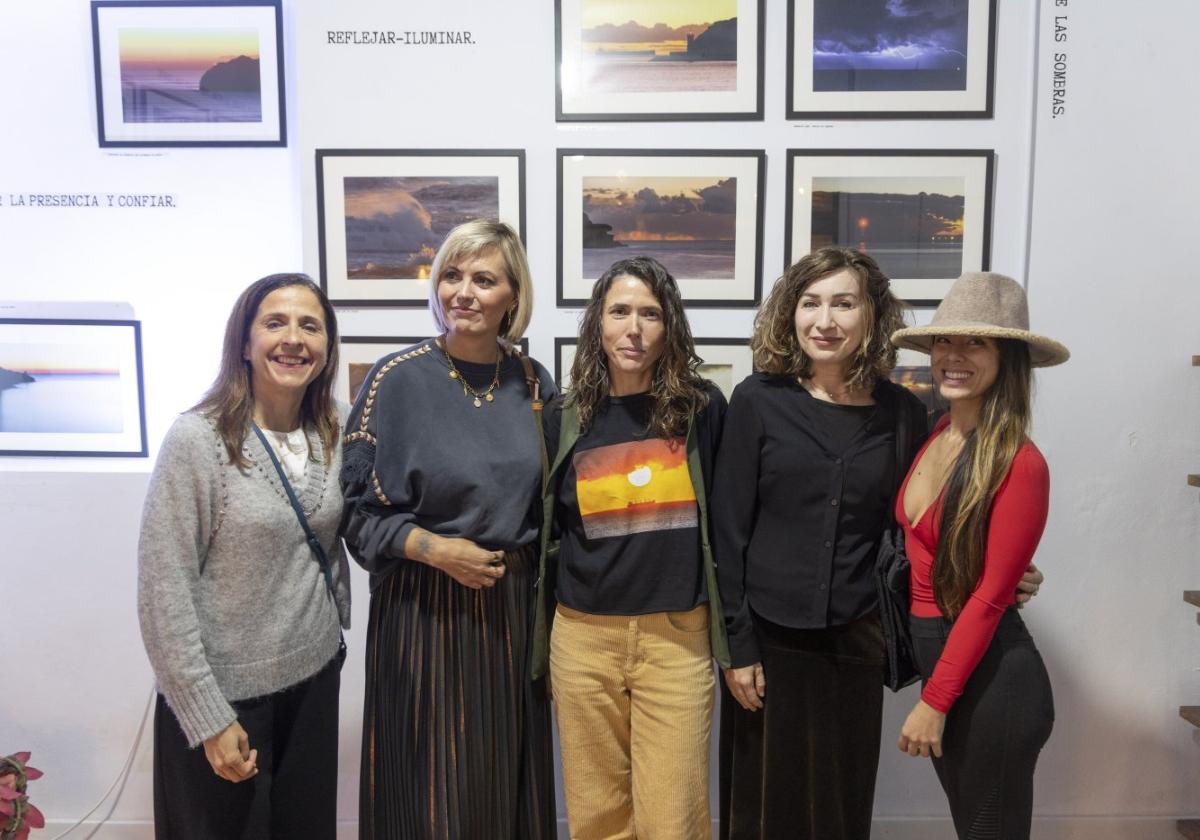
634, 699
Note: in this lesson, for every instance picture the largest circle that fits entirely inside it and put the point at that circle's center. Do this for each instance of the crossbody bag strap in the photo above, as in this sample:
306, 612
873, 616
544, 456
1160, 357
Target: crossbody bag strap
535, 396
313, 542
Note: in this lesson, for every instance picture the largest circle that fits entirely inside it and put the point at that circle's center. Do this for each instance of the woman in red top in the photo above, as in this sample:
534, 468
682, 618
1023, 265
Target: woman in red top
973, 507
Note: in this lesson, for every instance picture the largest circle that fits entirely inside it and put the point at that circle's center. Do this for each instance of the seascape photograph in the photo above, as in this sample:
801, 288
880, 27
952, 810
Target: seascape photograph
912, 226
912, 371
686, 223
890, 45
658, 46
192, 75
394, 225
64, 388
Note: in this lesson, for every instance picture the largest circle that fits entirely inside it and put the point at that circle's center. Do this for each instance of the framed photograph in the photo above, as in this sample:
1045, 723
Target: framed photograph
382, 214
727, 361
913, 372
883, 59
71, 388
659, 59
358, 354
699, 213
925, 215
189, 72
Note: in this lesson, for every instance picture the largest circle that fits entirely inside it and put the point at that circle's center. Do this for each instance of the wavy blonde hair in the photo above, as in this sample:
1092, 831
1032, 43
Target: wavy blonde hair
774, 343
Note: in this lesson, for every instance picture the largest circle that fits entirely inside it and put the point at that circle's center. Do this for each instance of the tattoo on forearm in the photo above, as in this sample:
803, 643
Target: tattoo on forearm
423, 545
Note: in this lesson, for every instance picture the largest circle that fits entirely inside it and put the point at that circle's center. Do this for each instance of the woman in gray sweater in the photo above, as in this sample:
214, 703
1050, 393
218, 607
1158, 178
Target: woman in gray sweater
240, 617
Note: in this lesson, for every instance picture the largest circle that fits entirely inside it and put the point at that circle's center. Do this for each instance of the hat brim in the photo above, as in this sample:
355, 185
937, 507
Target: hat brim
1043, 352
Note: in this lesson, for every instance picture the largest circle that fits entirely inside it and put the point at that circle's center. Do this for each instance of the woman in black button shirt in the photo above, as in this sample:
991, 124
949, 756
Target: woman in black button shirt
804, 477
805, 474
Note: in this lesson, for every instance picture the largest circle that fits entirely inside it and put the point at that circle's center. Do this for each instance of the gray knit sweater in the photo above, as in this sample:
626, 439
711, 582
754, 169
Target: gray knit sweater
231, 599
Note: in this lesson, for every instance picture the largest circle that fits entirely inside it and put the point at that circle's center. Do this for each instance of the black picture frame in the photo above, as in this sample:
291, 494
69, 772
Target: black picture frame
332, 164
126, 350
976, 101
974, 167
573, 289
112, 129
641, 107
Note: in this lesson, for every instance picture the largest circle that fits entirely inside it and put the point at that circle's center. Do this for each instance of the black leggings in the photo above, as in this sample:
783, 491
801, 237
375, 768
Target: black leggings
994, 731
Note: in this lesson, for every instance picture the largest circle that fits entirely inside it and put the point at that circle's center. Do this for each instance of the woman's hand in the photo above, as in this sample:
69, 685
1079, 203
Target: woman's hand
922, 732
1029, 584
462, 559
230, 755
747, 685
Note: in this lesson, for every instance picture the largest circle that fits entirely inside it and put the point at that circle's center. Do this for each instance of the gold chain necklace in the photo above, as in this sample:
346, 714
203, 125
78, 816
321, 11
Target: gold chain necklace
468, 391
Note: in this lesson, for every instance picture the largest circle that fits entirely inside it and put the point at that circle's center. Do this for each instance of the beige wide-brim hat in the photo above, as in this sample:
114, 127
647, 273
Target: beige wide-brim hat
987, 304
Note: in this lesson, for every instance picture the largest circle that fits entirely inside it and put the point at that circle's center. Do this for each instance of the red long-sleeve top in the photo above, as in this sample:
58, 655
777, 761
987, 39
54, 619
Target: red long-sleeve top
1014, 529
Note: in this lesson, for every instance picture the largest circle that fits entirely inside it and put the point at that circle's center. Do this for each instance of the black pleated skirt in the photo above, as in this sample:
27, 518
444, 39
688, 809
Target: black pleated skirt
456, 739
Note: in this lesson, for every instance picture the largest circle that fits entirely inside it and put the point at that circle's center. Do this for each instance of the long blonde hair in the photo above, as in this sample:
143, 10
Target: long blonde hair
977, 473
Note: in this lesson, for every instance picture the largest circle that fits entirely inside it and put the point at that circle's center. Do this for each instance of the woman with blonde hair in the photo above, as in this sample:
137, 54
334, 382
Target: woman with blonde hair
973, 508
443, 467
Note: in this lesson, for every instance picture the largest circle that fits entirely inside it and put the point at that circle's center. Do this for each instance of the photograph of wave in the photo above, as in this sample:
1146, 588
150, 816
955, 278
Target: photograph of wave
394, 225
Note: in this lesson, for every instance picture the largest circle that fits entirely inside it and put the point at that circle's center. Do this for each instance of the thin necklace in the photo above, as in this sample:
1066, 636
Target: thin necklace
468, 391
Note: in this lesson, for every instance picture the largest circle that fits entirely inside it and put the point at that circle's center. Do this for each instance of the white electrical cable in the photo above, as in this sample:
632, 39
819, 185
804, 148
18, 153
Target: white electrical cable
122, 777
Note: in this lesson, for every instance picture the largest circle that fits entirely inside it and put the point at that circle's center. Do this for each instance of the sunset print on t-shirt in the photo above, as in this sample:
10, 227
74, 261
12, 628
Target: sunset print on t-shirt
629, 488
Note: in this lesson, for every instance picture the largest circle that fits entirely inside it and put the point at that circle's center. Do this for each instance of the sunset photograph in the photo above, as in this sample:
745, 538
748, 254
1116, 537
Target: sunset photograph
65, 388
687, 223
202, 74
912, 226
642, 46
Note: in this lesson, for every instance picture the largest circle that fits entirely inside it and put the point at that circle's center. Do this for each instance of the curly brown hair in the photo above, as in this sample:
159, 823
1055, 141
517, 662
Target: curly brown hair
676, 387
776, 349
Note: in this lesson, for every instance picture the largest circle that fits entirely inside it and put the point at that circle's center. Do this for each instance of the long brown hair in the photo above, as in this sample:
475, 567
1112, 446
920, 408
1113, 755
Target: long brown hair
978, 471
230, 399
776, 349
676, 388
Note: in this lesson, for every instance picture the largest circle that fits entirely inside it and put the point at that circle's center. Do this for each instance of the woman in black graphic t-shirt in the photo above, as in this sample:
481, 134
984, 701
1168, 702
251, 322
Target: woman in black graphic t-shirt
626, 556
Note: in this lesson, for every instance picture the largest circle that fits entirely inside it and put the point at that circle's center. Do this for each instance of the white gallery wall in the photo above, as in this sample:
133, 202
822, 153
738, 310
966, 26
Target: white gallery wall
1093, 208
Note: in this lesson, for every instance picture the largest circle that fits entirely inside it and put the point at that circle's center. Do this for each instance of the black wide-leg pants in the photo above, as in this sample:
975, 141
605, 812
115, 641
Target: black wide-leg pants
294, 794
994, 731
803, 767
